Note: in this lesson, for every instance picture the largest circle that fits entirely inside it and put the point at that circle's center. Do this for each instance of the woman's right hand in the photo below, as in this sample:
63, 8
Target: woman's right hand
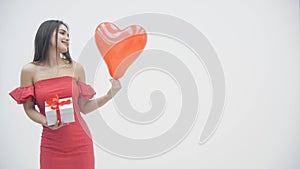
56, 126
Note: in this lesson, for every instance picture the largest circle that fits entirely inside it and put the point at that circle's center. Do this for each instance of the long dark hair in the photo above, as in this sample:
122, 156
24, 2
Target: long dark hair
43, 38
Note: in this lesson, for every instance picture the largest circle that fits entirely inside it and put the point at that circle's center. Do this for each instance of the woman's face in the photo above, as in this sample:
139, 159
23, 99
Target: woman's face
62, 39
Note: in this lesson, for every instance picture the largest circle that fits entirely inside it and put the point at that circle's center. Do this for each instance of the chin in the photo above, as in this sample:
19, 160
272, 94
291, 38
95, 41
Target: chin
63, 50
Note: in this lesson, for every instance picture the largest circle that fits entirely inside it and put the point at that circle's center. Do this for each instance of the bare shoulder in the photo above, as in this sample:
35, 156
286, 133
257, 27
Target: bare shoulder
28, 67
79, 71
77, 66
27, 74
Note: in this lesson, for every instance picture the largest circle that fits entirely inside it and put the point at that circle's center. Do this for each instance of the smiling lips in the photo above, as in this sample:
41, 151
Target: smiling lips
66, 43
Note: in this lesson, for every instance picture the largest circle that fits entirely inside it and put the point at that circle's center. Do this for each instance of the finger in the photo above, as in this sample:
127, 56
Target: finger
55, 126
111, 81
57, 123
61, 124
116, 83
52, 127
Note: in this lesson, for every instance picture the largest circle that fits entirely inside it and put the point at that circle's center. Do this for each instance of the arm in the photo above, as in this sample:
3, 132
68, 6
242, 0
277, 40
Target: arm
87, 106
27, 80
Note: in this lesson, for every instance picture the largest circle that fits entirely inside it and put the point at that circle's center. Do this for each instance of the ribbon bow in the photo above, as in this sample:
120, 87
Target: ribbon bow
54, 104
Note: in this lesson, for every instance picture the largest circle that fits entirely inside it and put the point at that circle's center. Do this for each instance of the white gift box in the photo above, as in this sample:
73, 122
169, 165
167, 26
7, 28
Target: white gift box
66, 111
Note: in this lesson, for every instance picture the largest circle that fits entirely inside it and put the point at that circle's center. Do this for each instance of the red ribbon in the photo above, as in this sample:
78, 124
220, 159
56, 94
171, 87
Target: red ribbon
54, 105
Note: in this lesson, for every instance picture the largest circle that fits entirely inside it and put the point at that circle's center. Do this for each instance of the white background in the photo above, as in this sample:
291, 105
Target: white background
257, 43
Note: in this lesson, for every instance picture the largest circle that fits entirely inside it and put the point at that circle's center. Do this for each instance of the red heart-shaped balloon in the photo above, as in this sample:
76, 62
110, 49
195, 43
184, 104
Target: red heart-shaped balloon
119, 48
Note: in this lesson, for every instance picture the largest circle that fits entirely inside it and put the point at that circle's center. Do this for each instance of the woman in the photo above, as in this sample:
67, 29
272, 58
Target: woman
54, 74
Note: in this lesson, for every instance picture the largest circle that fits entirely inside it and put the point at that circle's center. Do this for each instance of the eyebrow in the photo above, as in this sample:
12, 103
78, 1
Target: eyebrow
62, 30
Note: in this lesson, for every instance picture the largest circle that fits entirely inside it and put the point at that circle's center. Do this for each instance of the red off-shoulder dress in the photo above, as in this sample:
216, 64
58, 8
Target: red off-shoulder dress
71, 146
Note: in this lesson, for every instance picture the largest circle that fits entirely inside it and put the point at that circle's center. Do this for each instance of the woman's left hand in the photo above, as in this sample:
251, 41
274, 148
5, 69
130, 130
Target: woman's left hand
115, 87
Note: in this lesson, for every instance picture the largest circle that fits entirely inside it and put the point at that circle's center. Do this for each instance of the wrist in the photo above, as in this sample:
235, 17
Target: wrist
43, 121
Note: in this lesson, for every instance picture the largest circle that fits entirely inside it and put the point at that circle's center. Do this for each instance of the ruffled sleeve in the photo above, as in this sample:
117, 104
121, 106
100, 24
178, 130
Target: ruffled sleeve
85, 91
21, 94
